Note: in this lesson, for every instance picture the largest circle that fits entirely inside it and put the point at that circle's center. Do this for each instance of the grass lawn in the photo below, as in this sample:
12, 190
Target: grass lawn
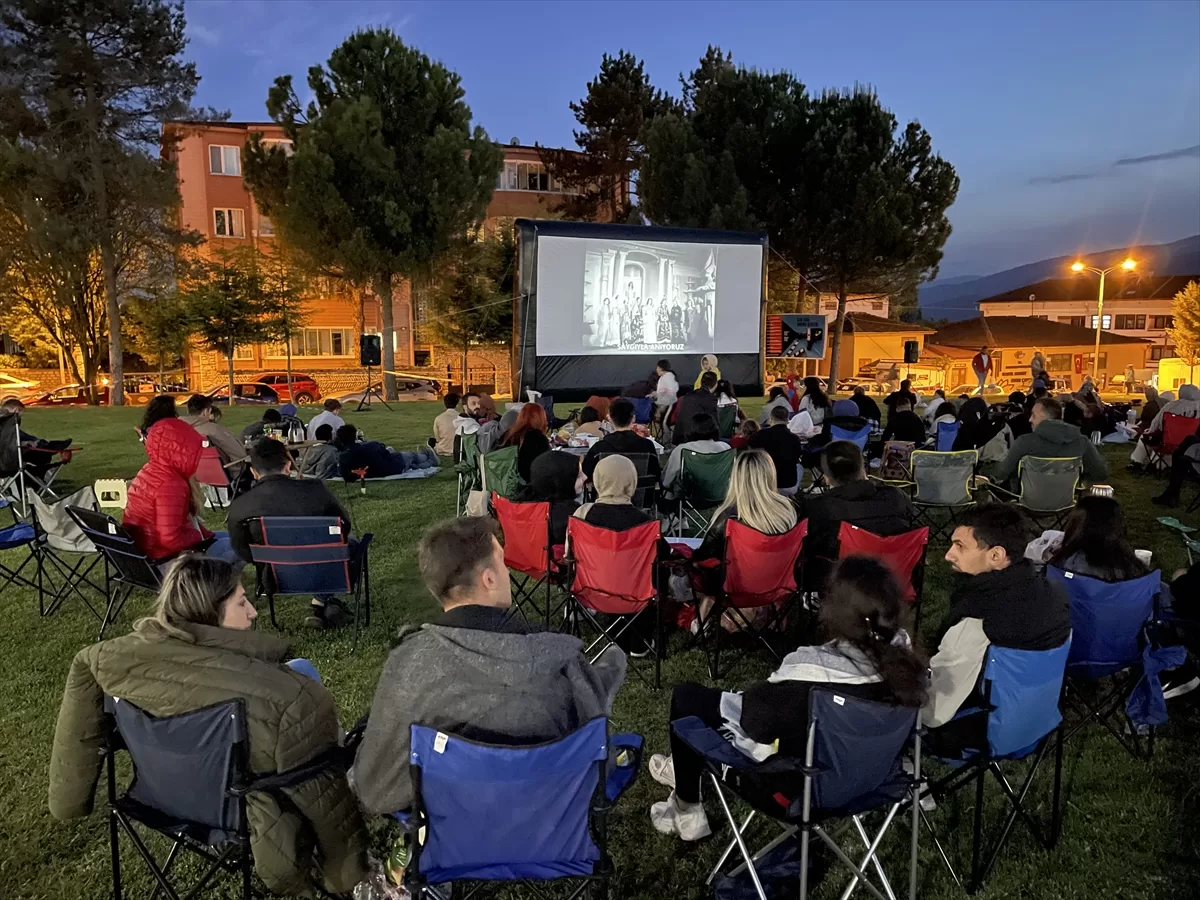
1131, 829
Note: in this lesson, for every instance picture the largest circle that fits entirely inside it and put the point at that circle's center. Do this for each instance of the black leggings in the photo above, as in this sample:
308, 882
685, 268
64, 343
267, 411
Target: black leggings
705, 704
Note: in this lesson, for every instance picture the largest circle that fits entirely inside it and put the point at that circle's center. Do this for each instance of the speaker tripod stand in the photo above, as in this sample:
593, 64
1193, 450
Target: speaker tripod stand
364, 405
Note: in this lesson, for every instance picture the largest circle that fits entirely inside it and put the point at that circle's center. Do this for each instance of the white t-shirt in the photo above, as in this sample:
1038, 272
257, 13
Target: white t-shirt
668, 389
325, 417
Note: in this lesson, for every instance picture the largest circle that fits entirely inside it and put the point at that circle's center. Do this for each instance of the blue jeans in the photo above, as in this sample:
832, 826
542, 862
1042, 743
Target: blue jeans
304, 667
422, 459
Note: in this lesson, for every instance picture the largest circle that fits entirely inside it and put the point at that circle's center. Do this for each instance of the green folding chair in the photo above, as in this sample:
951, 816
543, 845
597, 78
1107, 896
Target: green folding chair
1048, 486
703, 484
942, 483
727, 420
500, 475
466, 464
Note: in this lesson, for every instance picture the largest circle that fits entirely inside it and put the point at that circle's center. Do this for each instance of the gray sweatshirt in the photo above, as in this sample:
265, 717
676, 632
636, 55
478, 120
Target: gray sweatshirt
481, 685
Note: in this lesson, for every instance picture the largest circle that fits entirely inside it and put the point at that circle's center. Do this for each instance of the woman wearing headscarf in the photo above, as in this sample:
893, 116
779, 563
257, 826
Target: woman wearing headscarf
615, 479
975, 428
1149, 409
552, 479
708, 363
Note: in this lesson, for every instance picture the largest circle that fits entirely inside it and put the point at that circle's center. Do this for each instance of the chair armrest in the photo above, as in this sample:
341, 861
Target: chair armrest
333, 758
709, 745
996, 489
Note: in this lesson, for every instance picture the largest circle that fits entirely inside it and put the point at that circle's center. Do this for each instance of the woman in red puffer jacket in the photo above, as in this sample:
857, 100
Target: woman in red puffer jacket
163, 511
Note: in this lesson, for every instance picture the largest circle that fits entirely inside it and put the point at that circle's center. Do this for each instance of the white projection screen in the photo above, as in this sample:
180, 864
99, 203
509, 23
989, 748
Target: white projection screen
598, 306
600, 296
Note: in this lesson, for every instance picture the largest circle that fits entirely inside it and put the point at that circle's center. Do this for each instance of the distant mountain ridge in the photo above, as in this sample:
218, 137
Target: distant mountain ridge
957, 298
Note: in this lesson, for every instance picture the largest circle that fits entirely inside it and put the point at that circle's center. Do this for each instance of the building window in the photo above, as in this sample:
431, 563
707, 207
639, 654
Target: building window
243, 351
230, 223
877, 306
266, 228
528, 176
287, 147
1131, 323
316, 342
1060, 362
1160, 323
224, 160
1160, 352
1073, 320
1107, 322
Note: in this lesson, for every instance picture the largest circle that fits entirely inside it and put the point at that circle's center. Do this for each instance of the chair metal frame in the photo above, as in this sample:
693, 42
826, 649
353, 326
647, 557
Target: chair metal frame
1157, 453
13, 485
923, 510
126, 568
210, 463
233, 857
466, 465
812, 820
74, 577
581, 588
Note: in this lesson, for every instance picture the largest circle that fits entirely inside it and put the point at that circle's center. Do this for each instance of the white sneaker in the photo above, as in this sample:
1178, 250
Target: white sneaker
662, 770
671, 817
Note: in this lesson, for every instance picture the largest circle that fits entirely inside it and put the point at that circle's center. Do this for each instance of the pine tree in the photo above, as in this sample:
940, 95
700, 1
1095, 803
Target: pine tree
600, 177
1185, 332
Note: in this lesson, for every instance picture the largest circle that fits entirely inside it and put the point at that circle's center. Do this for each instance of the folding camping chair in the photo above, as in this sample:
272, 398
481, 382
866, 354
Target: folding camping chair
904, 554
1047, 487
126, 568
646, 495
191, 776
311, 556
529, 553
499, 473
466, 465
613, 573
703, 484
16, 474
643, 409
727, 420
942, 484
213, 478
947, 432
1021, 689
852, 768
553, 799
895, 464
1174, 430
1110, 633
57, 533
760, 575
858, 438
13, 537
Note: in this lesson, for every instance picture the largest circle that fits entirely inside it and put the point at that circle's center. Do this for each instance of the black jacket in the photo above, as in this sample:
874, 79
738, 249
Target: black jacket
785, 450
623, 442
697, 403
617, 516
279, 495
877, 508
533, 445
894, 397
370, 455
1020, 608
905, 426
867, 407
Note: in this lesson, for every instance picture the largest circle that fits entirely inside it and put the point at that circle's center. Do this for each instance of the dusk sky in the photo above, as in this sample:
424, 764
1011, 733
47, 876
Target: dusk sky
1073, 126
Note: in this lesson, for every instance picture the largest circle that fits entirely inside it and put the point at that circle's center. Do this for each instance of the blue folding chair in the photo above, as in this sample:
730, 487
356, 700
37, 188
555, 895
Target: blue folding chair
852, 767
515, 814
1021, 689
946, 433
1111, 623
643, 409
311, 556
857, 438
13, 537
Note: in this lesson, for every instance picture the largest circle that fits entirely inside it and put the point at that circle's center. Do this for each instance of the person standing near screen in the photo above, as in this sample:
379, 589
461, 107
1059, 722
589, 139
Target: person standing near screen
667, 390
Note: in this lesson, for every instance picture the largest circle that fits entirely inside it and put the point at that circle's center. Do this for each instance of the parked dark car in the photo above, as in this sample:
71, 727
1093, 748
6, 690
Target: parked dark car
304, 387
77, 395
248, 393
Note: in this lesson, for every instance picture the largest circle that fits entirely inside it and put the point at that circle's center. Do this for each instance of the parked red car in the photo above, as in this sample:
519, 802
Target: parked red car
304, 387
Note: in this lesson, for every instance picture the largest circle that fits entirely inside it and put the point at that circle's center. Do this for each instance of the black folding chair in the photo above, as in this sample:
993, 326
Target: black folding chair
312, 556
126, 568
191, 777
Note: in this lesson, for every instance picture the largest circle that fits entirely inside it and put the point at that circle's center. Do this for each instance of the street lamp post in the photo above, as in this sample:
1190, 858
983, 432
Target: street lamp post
1128, 265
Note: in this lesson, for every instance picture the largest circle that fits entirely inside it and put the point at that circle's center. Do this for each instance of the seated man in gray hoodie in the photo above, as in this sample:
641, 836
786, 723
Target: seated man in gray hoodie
322, 460
1051, 437
475, 671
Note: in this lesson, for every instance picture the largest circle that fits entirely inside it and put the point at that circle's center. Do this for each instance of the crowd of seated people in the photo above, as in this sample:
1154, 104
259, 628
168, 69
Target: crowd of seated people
785, 449
903, 424
528, 433
1051, 437
700, 402
622, 439
1187, 405
205, 417
703, 435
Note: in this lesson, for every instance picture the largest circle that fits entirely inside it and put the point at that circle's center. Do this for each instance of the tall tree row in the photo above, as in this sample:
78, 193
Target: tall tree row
87, 85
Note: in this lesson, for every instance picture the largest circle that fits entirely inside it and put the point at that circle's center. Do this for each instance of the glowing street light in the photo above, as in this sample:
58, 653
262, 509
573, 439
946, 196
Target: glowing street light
1078, 266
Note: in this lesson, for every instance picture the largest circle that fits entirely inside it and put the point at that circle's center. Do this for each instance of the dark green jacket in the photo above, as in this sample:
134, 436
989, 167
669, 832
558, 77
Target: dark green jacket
1053, 438
291, 719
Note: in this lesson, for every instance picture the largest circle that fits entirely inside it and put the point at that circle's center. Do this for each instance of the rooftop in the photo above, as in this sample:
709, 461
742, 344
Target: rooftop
1117, 286
865, 323
1022, 331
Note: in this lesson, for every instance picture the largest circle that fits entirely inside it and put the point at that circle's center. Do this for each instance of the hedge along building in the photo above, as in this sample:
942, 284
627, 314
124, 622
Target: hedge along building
1013, 340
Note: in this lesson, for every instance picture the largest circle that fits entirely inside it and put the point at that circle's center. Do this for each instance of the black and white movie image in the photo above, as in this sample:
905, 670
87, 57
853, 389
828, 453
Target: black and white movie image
643, 297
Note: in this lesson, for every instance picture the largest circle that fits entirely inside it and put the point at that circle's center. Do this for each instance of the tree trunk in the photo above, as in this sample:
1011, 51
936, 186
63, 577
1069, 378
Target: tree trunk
287, 340
383, 290
161, 366
229, 360
835, 351
108, 263
465, 357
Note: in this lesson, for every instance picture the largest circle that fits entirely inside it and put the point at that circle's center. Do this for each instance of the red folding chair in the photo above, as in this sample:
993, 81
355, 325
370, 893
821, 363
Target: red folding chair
1174, 430
760, 574
613, 574
527, 551
903, 553
211, 474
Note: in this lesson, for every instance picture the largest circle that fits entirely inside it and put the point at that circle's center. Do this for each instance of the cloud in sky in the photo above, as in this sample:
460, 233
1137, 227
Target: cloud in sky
203, 34
1181, 153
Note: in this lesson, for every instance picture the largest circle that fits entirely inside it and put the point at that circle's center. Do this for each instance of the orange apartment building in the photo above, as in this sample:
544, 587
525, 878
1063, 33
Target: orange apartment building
217, 204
